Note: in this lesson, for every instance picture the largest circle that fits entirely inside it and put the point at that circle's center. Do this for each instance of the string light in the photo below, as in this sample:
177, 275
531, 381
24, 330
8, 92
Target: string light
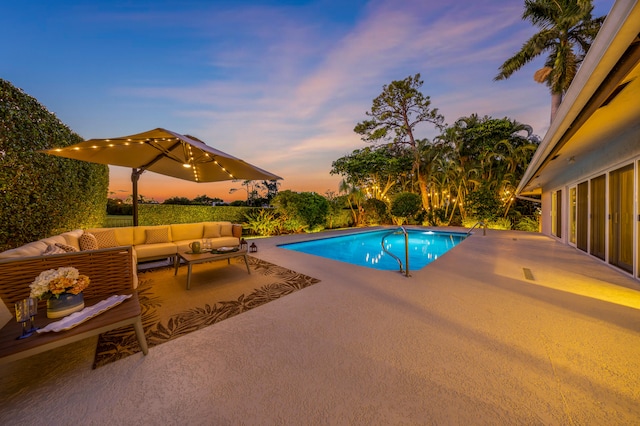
191, 160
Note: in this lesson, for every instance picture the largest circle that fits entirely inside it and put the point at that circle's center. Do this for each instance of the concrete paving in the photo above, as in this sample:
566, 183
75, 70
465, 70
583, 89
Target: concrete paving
507, 328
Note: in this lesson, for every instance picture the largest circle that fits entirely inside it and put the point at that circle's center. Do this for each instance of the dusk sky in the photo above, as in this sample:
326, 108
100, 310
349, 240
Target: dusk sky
280, 84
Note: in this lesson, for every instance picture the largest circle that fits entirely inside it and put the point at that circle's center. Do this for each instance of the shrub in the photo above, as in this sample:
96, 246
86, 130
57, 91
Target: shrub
304, 210
376, 212
528, 223
500, 223
162, 214
483, 203
339, 214
42, 195
437, 217
405, 205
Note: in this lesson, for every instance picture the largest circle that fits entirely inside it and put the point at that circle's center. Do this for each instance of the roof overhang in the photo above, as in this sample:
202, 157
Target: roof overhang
602, 101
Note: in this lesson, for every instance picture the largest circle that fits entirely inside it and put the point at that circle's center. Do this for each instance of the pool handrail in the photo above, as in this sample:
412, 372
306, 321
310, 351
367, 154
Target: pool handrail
479, 223
406, 249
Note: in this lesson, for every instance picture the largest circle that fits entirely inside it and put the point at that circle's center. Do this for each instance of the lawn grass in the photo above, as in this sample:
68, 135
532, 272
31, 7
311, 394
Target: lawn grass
115, 221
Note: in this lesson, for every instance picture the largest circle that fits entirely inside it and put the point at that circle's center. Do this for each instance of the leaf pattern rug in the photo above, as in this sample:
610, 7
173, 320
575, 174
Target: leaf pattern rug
219, 290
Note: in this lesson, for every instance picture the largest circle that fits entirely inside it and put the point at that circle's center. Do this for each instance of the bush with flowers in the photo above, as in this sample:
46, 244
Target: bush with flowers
54, 282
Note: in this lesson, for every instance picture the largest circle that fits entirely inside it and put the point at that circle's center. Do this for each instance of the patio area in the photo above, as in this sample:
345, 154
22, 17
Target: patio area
507, 328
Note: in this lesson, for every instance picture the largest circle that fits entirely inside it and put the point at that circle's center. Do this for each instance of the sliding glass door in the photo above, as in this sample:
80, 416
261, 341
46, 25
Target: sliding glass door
556, 214
582, 225
573, 215
621, 218
598, 218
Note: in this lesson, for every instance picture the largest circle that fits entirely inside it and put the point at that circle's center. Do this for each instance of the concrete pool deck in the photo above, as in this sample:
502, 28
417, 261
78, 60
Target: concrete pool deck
470, 339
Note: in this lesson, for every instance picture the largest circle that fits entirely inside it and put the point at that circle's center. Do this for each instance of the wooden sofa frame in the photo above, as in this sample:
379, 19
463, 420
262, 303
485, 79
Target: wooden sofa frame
110, 271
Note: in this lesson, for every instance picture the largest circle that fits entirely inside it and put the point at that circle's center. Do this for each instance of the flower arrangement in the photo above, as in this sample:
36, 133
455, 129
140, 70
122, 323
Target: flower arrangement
54, 282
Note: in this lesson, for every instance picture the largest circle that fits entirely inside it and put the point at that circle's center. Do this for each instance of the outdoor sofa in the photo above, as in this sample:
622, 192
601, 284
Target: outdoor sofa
109, 256
149, 242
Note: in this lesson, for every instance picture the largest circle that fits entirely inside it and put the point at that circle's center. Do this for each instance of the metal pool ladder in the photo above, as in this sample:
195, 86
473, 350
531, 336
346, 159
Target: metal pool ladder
406, 249
480, 223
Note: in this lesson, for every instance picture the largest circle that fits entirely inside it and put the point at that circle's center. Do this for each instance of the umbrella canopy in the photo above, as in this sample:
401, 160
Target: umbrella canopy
165, 152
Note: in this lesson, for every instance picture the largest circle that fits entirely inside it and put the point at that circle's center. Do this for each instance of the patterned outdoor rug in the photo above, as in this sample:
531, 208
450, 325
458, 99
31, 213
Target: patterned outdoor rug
218, 291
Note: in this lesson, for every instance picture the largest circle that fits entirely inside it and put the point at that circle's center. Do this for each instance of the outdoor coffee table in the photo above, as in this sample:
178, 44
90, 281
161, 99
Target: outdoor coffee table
207, 256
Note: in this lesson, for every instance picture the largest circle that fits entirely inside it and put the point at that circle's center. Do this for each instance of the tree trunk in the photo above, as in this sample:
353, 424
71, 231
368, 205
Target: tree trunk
424, 192
556, 100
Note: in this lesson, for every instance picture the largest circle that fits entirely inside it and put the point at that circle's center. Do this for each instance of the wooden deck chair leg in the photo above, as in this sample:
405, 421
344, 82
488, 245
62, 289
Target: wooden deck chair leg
142, 340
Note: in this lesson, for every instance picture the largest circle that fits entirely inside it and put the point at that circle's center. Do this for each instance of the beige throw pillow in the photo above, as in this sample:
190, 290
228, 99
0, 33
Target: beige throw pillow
226, 230
158, 235
211, 231
88, 241
106, 238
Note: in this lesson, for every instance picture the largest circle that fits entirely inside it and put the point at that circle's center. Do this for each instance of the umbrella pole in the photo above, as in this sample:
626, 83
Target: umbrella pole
135, 175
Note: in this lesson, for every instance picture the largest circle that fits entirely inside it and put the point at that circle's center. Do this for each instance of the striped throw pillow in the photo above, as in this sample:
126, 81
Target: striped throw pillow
52, 249
67, 248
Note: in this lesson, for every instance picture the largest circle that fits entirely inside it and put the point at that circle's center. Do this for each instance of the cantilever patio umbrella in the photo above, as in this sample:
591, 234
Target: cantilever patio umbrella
165, 152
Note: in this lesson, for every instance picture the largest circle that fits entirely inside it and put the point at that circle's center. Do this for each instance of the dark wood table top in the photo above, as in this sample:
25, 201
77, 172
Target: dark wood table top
123, 313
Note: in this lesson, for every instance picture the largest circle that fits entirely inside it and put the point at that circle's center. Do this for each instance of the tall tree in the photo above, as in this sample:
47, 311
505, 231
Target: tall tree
566, 32
394, 117
374, 170
489, 155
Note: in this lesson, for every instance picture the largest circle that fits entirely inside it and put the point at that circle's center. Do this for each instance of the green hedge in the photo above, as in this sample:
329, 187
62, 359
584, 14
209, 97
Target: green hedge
163, 214
42, 195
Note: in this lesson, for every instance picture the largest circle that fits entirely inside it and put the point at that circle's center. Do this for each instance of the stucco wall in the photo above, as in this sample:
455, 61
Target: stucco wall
612, 154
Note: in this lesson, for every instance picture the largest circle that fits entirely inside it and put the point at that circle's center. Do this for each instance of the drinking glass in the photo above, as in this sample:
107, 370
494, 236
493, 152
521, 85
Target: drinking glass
33, 310
22, 316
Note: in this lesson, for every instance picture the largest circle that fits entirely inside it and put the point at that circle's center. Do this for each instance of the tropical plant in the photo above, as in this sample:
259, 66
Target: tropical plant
528, 223
355, 198
395, 116
483, 204
567, 30
483, 153
263, 222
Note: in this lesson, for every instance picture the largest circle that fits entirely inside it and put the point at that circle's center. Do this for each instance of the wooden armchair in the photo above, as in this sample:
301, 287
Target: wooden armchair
110, 271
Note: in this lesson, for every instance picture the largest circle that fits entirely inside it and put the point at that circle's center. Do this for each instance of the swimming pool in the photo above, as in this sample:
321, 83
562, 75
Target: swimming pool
365, 249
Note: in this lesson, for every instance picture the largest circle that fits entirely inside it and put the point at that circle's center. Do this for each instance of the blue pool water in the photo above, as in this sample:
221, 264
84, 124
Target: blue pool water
365, 249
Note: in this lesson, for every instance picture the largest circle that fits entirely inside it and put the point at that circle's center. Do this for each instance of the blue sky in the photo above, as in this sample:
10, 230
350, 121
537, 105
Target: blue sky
280, 84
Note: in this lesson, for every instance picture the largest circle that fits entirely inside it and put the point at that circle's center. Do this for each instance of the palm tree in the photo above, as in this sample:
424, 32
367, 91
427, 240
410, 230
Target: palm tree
355, 199
567, 30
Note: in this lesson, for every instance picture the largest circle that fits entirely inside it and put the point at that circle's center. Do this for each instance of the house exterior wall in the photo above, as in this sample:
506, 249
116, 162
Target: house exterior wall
620, 151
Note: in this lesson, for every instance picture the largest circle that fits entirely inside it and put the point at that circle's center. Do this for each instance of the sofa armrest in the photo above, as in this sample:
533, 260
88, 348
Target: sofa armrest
110, 270
236, 230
